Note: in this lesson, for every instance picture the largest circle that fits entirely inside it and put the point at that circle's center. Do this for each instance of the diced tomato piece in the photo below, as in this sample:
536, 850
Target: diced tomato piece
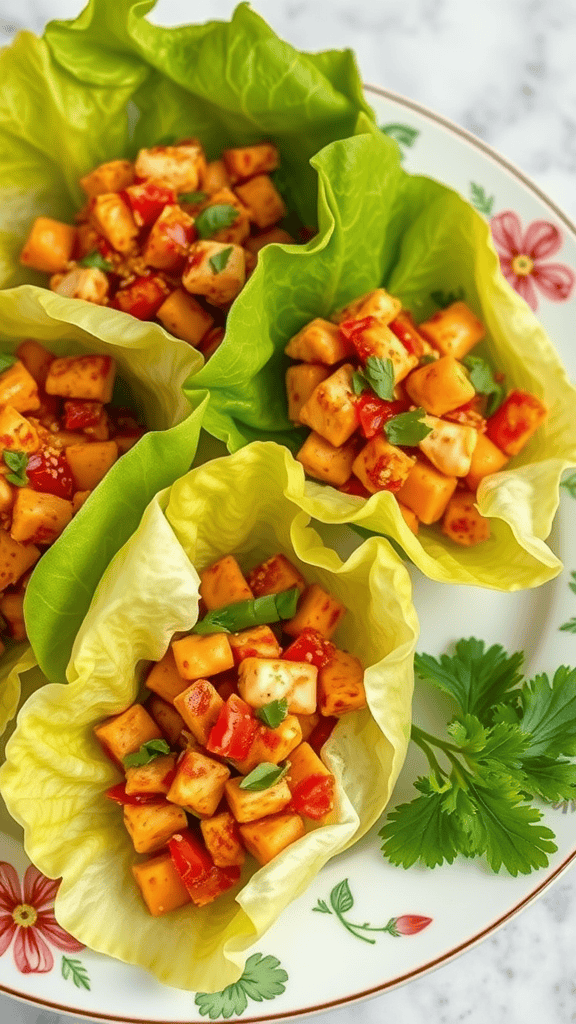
374, 412
314, 796
232, 734
120, 796
217, 881
142, 298
469, 414
513, 424
405, 329
79, 414
310, 646
354, 486
190, 857
352, 329
321, 732
147, 201
48, 471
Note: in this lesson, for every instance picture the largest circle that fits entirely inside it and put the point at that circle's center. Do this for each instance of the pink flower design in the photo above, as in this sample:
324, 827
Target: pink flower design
410, 924
27, 916
522, 255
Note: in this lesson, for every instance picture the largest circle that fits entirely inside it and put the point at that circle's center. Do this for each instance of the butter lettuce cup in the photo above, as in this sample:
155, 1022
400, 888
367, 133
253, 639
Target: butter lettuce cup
56, 775
380, 227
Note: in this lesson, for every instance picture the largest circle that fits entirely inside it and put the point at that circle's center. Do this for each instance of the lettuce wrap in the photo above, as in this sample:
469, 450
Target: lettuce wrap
56, 774
380, 226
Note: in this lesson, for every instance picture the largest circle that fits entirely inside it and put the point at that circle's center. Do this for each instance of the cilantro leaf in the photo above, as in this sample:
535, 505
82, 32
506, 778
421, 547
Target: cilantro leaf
380, 376
97, 260
192, 197
483, 380
475, 677
214, 218
274, 713
148, 752
570, 484
258, 611
549, 714
6, 361
263, 978
549, 779
219, 261
421, 832
17, 462
264, 776
408, 428
359, 383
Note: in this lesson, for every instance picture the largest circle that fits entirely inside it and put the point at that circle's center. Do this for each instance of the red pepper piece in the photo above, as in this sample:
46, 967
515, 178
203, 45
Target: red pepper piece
314, 796
355, 486
48, 471
353, 329
232, 734
203, 880
217, 881
513, 424
79, 414
311, 647
120, 796
321, 732
405, 329
142, 298
147, 201
374, 412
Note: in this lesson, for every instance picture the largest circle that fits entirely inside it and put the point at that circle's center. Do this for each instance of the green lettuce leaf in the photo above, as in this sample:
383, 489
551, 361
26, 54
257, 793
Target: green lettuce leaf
55, 775
379, 226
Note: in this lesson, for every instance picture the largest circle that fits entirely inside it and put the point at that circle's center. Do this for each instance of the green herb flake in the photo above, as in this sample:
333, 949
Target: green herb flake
97, 260
359, 383
148, 752
17, 463
214, 219
408, 428
192, 197
260, 611
264, 776
380, 376
482, 378
6, 361
274, 713
219, 261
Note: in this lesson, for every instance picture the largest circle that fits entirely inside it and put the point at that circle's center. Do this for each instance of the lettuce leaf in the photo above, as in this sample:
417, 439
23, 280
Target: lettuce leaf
55, 775
378, 226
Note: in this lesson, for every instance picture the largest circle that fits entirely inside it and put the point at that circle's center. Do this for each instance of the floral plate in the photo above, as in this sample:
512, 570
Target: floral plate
372, 926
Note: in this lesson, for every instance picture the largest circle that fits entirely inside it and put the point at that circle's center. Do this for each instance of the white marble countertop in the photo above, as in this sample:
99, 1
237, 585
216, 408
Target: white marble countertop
506, 71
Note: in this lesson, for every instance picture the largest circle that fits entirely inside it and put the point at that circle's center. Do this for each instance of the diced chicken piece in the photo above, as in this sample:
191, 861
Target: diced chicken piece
440, 387
377, 303
200, 656
7, 495
514, 423
222, 838
113, 176
323, 461
306, 768
278, 235
378, 340
167, 718
261, 682
164, 678
319, 342
215, 270
179, 167
12, 610
125, 733
341, 685
301, 381
239, 230
36, 359
15, 559
274, 576
90, 462
78, 499
113, 219
247, 161
250, 805
331, 409
449, 446
183, 316
427, 491
454, 330
267, 838
223, 583
486, 459
199, 707
262, 200
258, 642
160, 884
88, 377
155, 777
19, 389
316, 610
404, 328
199, 783
307, 724
462, 521
86, 283
150, 826
272, 745
215, 177
17, 434
169, 240
39, 518
409, 517
381, 466
49, 246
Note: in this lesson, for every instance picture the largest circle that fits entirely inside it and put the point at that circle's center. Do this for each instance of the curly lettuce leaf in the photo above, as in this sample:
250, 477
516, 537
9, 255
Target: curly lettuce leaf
55, 775
379, 226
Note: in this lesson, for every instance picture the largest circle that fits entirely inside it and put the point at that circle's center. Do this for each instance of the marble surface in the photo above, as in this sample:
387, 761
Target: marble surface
504, 70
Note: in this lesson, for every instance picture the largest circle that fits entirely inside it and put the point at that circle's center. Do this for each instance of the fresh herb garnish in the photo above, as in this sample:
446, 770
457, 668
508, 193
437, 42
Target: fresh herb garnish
483, 380
378, 374
274, 713
426, 359
219, 261
148, 752
17, 463
264, 776
444, 299
408, 428
96, 259
214, 218
509, 742
192, 197
6, 361
257, 612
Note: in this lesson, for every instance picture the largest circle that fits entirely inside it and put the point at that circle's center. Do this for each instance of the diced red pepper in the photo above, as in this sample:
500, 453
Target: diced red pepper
321, 733
233, 732
354, 486
48, 471
142, 298
311, 647
147, 201
79, 414
351, 329
314, 796
513, 424
203, 880
217, 881
405, 329
374, 412
120, 796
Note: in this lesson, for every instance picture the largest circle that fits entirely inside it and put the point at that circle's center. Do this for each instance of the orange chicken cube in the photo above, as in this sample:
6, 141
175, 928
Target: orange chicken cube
199, 707
249, 805
440, 387
38, 517
427, 491
378, 303
274, 576
114, 176
167, 718
486, 459
160, 884
16, 433
199, 783
125, 733
301, 381
36, 359
462, 521
164, 678
49, 246
155, 777
223, 583
341, 685
183, 316
150, 826
247, 161
267, 838
381, 466
316, 610
15, 559
262, 200
222, 838
90, 462
331, 408
454, 330
19, 389
88, 377
257, 642
323, 461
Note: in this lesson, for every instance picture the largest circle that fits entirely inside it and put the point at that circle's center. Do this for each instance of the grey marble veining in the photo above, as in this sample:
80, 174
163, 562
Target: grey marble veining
505, 70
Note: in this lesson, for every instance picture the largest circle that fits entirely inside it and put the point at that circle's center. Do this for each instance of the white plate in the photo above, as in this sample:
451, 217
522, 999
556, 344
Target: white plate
311, 960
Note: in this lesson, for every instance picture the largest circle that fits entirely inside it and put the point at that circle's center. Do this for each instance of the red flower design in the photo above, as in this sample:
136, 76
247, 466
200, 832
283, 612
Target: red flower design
522, 255
27, 916
410, 924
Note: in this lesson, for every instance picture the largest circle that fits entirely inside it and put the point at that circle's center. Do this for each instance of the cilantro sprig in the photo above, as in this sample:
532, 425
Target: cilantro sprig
408, 428
510, 741
483, 379
214, 218
97, 260
147, 753
264, 776
377, 375
219, 261
16, 463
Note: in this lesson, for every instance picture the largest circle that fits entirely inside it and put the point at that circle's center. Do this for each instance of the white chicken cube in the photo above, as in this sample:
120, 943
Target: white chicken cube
86, 283
449, 446
177, 167
112, 217
261, 681
215, 270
